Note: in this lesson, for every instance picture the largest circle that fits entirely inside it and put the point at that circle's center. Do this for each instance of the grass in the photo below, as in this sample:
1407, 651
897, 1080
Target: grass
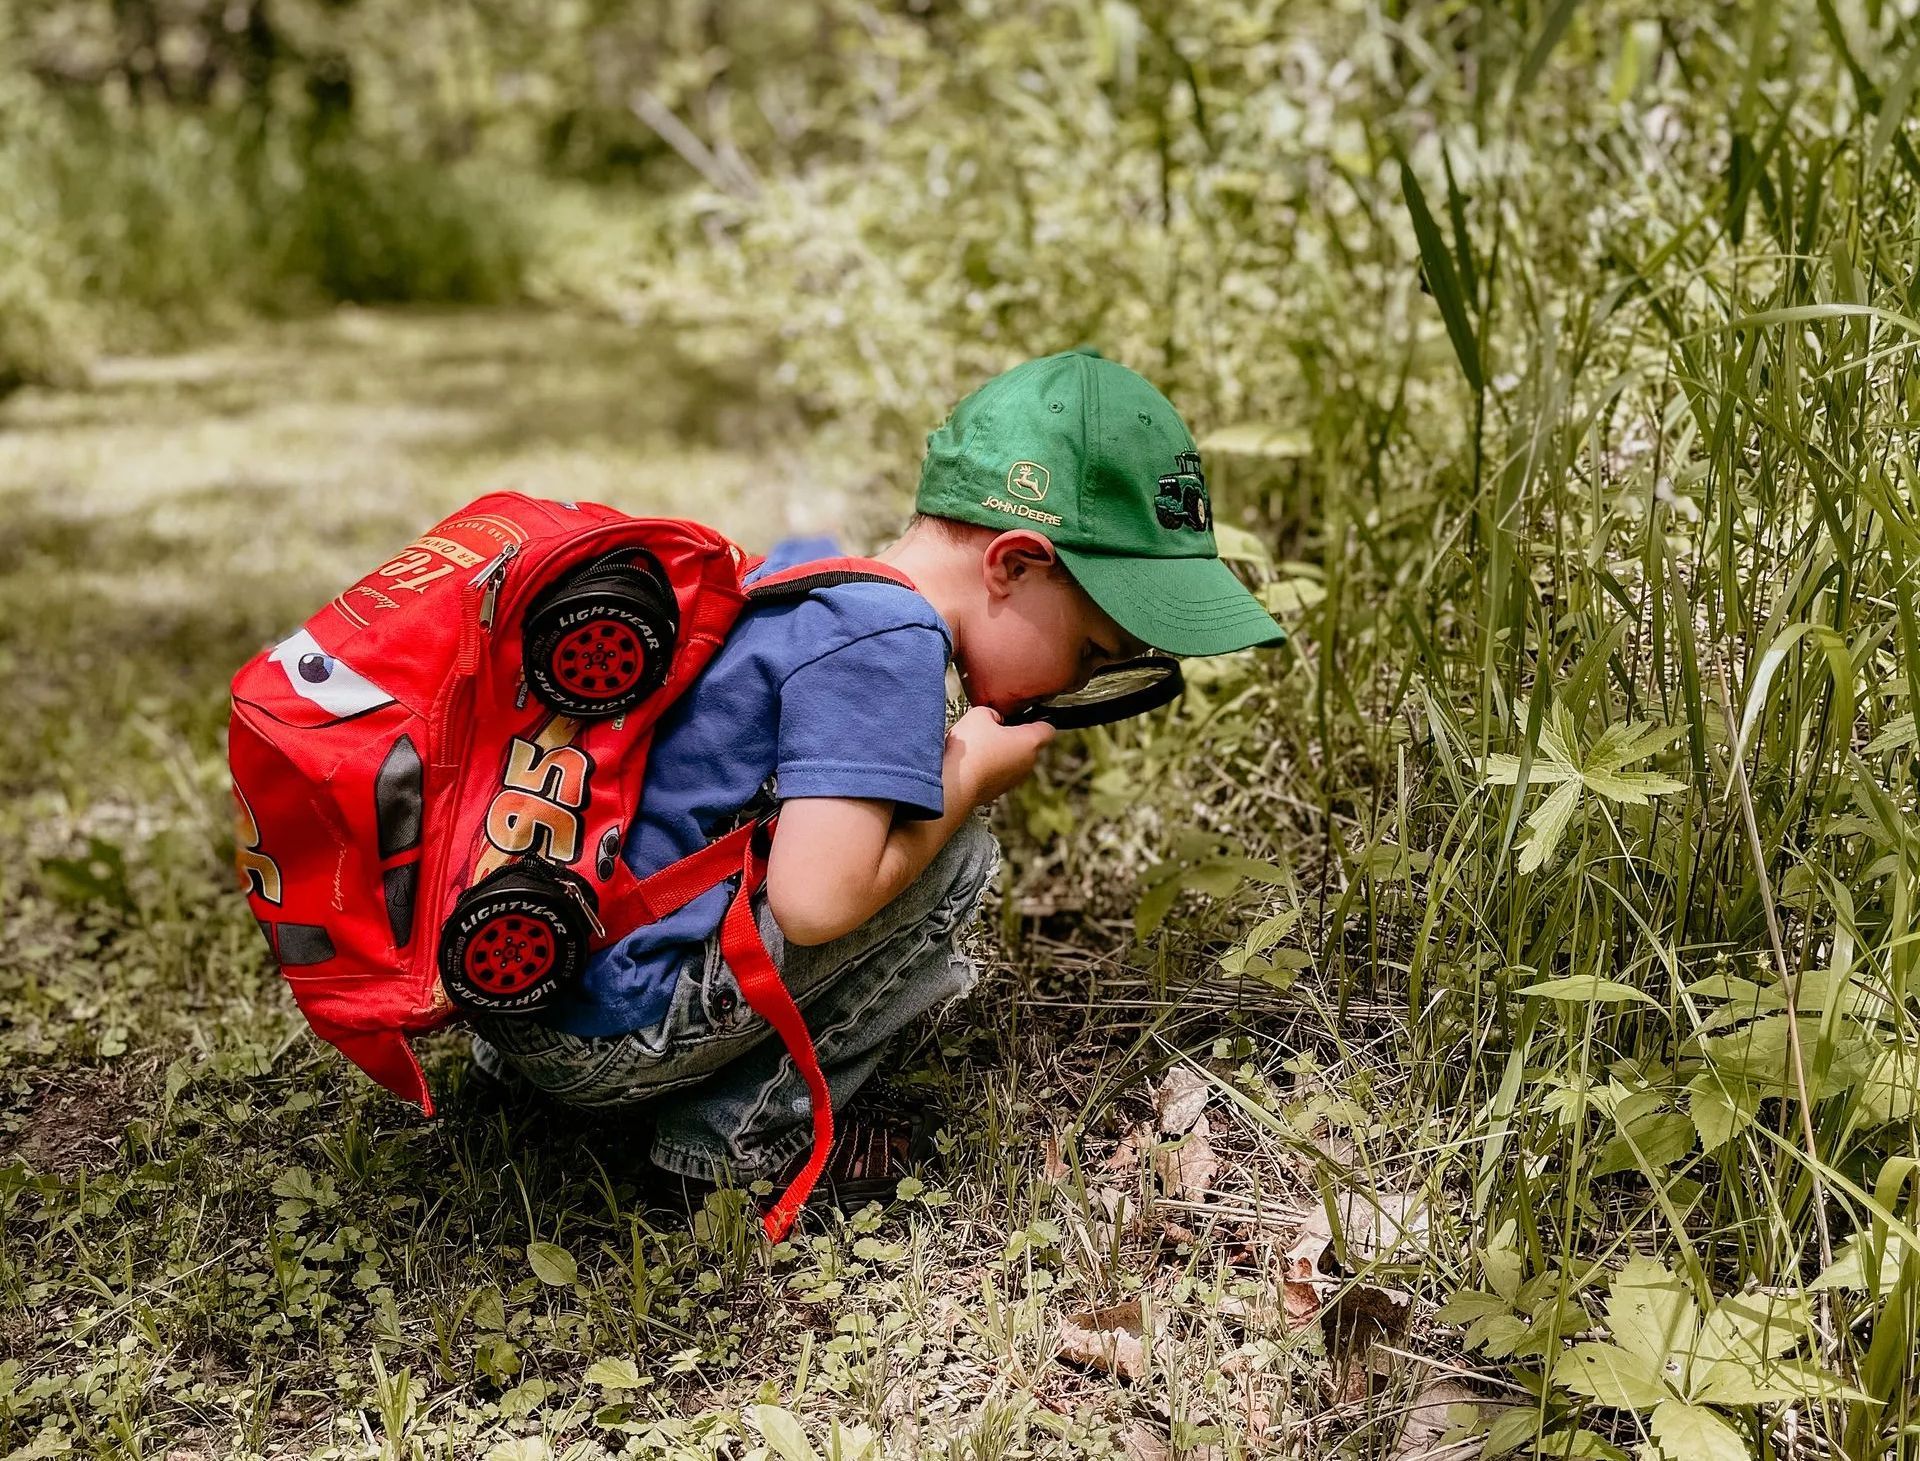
1542, 922
221, 1241
155, 227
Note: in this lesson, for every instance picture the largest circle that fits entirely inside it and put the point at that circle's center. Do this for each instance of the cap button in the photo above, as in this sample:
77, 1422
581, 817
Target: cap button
1087, 350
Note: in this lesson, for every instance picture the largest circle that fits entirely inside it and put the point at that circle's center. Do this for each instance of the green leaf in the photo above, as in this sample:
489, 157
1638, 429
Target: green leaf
1503, 1264
1470, 1304
1577, 1443
1694, 1433
1635, 788
1511, 1426
1151, 911
1547, 825
1588, 989
1498, 1335
1500, 769
850, 1442
1751, 997
489, 1310
1751, 1329
1648, 1143
1625, 742
1721, 1109
522, 1448
1898, 733
1543, 44
295, 1182
1892, 1086
1759, 1054
1853, 1265
552, 1264
783, 1433
1651, 1312
1611, 1375
1738, 1382
614, 1374
1442, 279
1794, 1379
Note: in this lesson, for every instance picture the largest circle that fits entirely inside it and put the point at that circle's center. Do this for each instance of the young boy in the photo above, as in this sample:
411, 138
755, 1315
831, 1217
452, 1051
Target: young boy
1063, 524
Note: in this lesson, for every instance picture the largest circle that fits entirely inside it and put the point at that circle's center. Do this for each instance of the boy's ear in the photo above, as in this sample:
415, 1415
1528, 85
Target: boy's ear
1015, 554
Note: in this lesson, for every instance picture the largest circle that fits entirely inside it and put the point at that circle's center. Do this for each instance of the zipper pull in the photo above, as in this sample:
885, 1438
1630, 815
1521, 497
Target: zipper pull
493, 575
586, 907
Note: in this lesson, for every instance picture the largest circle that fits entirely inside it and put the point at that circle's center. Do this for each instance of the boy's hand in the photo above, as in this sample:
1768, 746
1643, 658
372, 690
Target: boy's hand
991, 758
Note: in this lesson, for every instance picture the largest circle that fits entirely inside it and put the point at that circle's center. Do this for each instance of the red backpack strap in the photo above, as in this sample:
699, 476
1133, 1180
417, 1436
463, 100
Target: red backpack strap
643, 900
767, 995
630, 902
804, 578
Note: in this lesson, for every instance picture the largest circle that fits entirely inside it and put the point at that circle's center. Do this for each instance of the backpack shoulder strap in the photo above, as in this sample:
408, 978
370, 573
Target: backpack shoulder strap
803, 578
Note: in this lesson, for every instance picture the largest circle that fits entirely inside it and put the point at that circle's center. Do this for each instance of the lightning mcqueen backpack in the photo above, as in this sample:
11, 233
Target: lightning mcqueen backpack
434, 776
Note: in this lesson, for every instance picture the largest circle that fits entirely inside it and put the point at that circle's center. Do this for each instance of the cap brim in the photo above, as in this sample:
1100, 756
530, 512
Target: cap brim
1186, 606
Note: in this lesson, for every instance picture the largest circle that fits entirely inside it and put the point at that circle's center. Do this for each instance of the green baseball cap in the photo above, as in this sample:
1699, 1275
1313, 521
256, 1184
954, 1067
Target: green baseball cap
1089, 454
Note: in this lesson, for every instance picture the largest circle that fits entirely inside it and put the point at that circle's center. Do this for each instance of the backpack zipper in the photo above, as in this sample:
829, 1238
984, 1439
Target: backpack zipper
493, 575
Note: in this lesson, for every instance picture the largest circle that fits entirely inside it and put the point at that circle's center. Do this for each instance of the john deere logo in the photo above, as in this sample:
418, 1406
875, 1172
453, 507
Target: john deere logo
1028, 480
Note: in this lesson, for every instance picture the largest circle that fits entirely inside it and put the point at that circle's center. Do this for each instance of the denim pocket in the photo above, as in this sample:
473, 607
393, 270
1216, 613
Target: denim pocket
707, 1003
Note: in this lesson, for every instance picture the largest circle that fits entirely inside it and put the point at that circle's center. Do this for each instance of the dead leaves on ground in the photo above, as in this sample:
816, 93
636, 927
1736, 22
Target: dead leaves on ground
1374, 1227
1166, 1179
1109, 1340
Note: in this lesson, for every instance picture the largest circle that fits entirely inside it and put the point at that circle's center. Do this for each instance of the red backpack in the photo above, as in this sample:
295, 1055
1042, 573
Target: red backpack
434, 776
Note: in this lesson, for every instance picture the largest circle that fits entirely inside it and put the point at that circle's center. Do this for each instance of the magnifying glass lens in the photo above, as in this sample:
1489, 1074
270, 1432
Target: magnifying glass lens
1130, 688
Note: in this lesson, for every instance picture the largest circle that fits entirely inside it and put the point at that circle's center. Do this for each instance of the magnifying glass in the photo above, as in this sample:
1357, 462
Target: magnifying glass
1132, 687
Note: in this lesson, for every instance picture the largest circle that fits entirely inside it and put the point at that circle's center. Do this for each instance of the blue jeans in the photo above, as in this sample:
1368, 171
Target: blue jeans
727, 1100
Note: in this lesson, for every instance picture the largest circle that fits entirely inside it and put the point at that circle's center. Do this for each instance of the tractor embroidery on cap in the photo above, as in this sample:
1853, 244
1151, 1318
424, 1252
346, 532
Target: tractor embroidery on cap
1182, 499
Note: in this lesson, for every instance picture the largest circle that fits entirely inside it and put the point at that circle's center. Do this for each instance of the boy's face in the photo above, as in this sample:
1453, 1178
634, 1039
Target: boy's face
1037, 632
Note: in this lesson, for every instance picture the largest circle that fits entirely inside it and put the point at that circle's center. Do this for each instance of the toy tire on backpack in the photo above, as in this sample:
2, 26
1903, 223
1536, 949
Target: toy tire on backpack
515, 939
601, 640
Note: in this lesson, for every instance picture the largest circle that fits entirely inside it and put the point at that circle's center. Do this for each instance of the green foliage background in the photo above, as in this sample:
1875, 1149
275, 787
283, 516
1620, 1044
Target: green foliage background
1555, 364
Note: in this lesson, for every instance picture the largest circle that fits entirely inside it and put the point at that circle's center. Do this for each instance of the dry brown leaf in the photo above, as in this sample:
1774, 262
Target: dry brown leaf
1055, 1169
1143, 1443
1259, 1414
1180, 1100
1107, 1340
1260, 1312
1126, 1156
1374, 1225
1427, 1420
1384, 1312
1379, 1225
1187, 1167
1109, 1200
1301, 1281
1300, 1302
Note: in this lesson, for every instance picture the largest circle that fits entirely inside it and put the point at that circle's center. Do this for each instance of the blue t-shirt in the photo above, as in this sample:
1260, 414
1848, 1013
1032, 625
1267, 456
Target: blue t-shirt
841, 693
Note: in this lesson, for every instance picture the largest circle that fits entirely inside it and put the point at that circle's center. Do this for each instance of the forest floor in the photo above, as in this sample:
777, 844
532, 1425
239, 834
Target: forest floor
220, 1240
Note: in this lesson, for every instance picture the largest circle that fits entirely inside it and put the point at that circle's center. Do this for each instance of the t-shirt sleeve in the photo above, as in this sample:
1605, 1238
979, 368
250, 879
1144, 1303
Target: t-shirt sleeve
868, 719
